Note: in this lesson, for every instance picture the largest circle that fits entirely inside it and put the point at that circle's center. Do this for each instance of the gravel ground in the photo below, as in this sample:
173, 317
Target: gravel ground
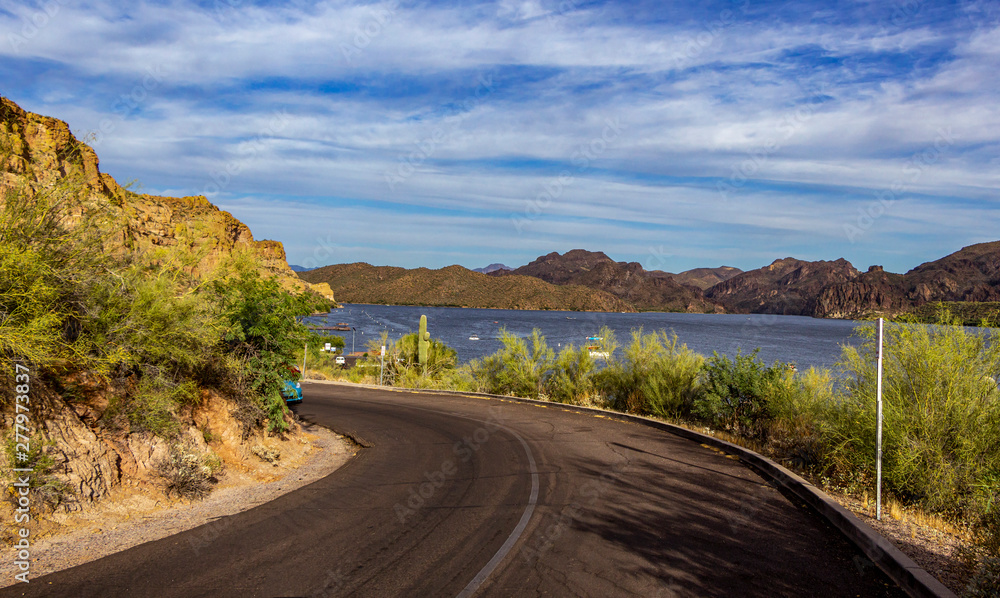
132, 518
938, 552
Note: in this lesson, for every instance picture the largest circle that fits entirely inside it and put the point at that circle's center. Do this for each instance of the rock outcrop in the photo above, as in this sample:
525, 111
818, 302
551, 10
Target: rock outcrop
787, 286
38, 153
643, 290
872, 294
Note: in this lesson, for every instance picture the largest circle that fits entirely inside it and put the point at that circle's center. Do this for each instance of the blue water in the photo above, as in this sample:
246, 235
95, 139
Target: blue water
801, 340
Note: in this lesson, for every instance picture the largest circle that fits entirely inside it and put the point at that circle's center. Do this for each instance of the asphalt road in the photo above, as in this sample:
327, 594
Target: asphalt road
461, 496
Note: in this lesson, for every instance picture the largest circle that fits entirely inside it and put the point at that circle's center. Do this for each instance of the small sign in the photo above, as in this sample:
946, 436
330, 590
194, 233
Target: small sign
327, 347
383, 350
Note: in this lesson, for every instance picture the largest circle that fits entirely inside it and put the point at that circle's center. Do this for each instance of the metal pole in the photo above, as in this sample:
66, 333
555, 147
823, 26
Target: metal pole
352, 339
878, 429
305, 353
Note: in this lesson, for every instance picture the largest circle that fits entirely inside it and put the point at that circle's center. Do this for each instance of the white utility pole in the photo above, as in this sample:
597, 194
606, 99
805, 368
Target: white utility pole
381, 367
878, 428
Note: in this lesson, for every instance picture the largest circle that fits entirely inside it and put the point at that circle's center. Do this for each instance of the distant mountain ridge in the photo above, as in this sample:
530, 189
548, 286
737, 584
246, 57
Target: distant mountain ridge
705, 278
491, 268
590, 280
456, 286
628, 281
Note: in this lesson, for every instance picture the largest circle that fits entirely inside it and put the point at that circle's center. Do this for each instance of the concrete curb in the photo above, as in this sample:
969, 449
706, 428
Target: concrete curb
913, 579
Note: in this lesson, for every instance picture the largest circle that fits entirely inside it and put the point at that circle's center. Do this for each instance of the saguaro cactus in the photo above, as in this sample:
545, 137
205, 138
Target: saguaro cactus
423, 341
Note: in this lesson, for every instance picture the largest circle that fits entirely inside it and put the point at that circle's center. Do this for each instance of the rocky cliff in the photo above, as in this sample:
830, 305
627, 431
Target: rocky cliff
970, 274
71, 409
787, 286
40, 153
874, 293
628, 281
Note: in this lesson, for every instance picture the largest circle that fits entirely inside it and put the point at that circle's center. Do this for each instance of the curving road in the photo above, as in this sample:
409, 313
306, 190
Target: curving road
460, 496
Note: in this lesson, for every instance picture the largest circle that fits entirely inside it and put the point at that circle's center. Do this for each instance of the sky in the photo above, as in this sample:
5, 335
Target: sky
673, 134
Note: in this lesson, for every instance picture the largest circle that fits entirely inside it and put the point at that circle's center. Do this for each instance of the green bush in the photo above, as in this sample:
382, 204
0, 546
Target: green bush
736, 394
941, 431
260, 329
568, 380
516, 369
658, 376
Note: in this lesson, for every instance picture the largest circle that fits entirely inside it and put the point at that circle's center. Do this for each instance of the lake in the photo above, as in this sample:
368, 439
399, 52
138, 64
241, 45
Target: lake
802, 340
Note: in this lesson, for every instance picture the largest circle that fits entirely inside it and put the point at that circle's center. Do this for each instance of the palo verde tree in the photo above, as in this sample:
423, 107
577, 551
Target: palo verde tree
262, 332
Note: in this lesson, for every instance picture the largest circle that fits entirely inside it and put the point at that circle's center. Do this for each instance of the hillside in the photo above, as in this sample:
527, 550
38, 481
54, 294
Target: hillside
628, 281
971, 274
787, 286
40, 151
456, 286
143, 369
705, 278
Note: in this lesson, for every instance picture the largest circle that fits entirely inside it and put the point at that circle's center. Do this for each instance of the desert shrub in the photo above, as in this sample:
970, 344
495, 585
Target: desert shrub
259, 328
798, 403
568, 380
941, 431
46, 268
516, 369
657, 376
736, 394
184, 472
266, 454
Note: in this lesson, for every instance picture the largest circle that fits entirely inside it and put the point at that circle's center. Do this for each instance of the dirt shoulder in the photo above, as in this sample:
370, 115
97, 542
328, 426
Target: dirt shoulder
133, 516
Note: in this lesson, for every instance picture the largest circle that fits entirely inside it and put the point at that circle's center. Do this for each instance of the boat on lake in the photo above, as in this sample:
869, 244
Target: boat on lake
595, 350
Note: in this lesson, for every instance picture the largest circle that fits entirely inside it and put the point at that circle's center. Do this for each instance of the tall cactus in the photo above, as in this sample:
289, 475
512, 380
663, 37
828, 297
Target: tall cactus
423, 341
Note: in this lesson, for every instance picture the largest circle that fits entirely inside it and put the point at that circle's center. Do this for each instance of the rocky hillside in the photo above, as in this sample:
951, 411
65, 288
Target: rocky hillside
628, 281
456, 286
705, 278
131, 381
836, 290
39, 152
787, 286
971, 274
875, 292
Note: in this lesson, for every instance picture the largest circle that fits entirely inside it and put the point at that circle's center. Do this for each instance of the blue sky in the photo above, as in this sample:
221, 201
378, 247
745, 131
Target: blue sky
677, 135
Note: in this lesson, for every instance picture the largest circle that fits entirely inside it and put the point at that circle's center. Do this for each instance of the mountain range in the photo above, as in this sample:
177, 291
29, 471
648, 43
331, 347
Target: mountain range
789, 286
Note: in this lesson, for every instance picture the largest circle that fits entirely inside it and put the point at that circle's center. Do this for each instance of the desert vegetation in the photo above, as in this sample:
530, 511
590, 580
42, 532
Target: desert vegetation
146, 332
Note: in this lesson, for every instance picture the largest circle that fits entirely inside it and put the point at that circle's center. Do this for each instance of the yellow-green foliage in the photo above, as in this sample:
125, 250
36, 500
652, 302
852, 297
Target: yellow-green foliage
658, 376
941, 431
516, 369
403, 365
142, 322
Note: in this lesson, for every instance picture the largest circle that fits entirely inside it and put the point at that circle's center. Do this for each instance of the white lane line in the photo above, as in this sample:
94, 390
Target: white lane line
485, 572
515, 535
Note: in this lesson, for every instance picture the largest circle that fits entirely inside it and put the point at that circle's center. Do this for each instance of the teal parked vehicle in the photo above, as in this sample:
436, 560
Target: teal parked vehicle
291, 390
